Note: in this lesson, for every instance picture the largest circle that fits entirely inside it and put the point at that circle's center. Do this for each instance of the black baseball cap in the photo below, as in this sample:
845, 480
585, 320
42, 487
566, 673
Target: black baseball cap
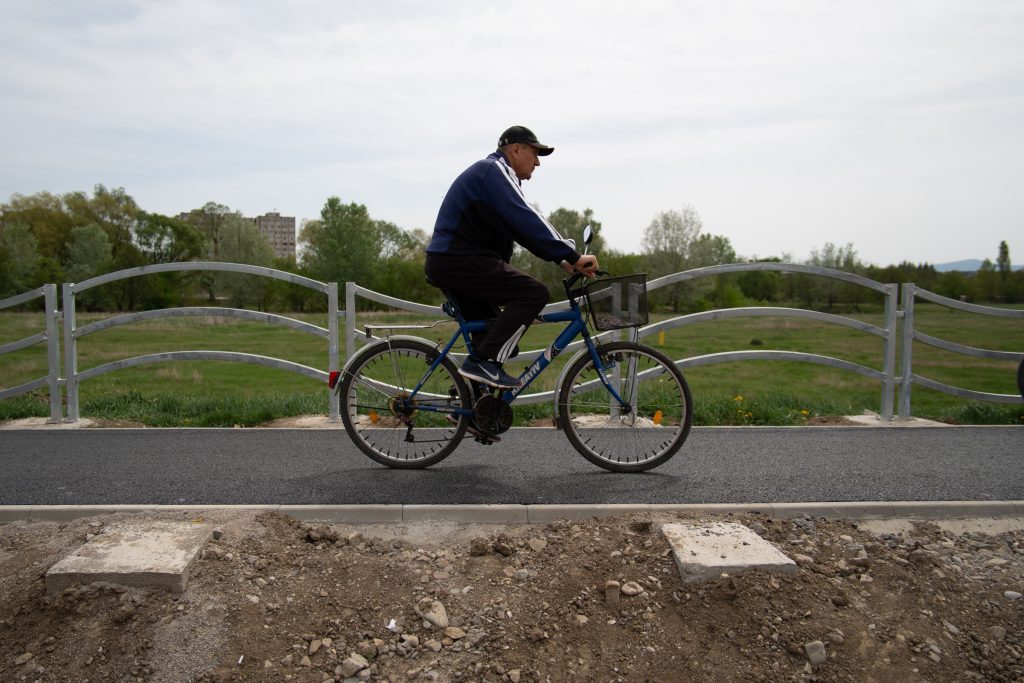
524, 135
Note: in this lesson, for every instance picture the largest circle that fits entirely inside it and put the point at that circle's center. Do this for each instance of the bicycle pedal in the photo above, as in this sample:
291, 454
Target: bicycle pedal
483, 437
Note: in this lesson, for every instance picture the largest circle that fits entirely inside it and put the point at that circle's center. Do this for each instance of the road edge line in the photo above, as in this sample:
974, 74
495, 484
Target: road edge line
536, 514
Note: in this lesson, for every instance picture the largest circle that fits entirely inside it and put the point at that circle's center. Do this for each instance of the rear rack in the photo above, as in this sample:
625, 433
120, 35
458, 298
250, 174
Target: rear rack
369, 329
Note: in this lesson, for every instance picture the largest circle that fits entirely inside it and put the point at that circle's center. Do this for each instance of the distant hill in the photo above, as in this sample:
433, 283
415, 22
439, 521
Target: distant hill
966, 266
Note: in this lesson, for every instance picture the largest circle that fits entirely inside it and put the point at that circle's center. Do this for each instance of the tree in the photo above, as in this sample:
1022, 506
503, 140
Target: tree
762, 285
90, 253
569, 224
666, 243
670, 234
344, 245
242, 242
209, 220
1003, 262
19, 259
400, 272
829, 289
162, 239
986, 282
45, 216
214, 222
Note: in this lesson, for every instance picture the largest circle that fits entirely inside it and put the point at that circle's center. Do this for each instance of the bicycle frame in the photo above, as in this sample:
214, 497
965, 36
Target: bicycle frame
577, 326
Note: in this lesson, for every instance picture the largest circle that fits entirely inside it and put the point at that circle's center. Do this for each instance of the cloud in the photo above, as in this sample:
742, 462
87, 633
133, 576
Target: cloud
784, 124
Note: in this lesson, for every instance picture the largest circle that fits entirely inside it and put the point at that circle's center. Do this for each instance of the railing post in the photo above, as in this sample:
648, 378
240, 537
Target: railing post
906, 356
889, 349
70, 352
350, 320
332, 351
53, 352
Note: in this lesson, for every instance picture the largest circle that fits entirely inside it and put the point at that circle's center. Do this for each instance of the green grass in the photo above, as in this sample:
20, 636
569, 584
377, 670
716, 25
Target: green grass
208, 393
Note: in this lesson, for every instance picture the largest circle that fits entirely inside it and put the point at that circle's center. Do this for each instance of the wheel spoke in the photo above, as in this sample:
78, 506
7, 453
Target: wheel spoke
645, 432
389, 424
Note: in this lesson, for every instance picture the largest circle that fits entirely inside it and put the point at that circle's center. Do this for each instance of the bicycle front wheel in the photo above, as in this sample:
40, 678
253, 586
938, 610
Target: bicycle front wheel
633, 438
389, 426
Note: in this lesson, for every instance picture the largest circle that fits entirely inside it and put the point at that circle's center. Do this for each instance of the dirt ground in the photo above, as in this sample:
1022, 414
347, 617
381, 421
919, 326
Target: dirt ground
274, 599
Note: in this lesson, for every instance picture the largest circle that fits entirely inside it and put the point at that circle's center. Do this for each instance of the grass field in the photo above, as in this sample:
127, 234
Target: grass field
206, 393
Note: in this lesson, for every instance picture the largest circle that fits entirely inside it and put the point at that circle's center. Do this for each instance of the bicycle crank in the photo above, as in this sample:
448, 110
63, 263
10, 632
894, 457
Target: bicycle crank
493, 415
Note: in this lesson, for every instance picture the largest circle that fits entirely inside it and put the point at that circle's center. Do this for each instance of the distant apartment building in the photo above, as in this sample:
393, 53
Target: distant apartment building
279, 231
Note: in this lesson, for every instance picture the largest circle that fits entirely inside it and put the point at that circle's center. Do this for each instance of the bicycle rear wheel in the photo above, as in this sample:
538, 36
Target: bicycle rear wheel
640, 437
388, 427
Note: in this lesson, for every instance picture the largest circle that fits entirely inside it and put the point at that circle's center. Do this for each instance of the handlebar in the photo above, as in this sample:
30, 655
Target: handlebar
571, 281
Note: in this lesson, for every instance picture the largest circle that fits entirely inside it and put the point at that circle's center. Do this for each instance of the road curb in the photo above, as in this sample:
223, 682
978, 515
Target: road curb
532, 514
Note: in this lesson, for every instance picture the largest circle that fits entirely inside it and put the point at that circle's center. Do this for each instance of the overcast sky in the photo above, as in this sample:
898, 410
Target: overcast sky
895, 126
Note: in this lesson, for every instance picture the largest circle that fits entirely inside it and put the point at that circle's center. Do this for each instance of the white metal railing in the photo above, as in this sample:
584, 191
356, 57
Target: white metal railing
887, 375
72, 333
910, 334
48, 335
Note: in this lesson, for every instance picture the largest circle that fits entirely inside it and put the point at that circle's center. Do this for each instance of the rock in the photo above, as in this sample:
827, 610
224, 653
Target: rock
433, 645
997, 633
366, 649
951, 628
815, 651
803, 560
478, 547
537, 544
514, 675
432, 611
522, 574
305, 661
314, 646
24, 658
840, 600
1011, 595
632, 588
287, 660
353, 665
611, 593
410, 641
581, 619
455, 633
503, 548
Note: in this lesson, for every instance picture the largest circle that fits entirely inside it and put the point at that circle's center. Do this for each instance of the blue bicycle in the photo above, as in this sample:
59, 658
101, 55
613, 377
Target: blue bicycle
624, 406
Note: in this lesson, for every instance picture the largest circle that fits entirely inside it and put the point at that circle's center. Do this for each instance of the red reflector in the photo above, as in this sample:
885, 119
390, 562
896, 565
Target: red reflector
332, 379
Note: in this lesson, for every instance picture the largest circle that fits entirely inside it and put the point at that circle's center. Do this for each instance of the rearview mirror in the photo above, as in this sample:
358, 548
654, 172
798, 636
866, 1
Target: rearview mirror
588, 234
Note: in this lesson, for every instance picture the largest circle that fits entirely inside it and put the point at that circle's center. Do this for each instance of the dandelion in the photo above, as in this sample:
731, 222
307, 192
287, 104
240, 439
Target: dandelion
737, 398
805, 413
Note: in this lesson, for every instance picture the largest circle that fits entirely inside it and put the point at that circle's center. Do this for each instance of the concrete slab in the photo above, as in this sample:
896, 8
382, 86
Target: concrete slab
875, 420
148, 554
705, 551
45, 423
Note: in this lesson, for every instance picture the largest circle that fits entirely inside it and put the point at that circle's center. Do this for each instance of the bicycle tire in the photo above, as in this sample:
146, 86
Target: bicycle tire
636, 441
380, 373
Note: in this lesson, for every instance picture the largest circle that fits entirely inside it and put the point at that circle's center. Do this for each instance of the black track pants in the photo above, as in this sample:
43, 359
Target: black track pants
487, 287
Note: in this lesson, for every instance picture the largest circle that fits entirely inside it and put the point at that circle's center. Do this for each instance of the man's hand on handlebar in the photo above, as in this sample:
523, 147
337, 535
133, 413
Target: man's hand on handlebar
587, 265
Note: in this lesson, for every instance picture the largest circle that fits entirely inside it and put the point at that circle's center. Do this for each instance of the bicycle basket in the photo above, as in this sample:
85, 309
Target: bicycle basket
617, 302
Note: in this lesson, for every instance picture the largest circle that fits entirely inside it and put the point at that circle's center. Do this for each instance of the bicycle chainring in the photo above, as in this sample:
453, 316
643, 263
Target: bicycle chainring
493, 415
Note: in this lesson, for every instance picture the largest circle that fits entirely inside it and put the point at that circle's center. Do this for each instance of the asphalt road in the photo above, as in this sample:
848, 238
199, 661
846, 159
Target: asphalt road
531, 466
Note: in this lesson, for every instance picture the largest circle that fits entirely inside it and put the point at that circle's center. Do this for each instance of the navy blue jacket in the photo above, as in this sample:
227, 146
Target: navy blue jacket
485, 212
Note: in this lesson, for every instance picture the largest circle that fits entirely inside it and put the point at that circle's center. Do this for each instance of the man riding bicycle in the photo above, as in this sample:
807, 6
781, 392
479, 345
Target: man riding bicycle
483, 214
